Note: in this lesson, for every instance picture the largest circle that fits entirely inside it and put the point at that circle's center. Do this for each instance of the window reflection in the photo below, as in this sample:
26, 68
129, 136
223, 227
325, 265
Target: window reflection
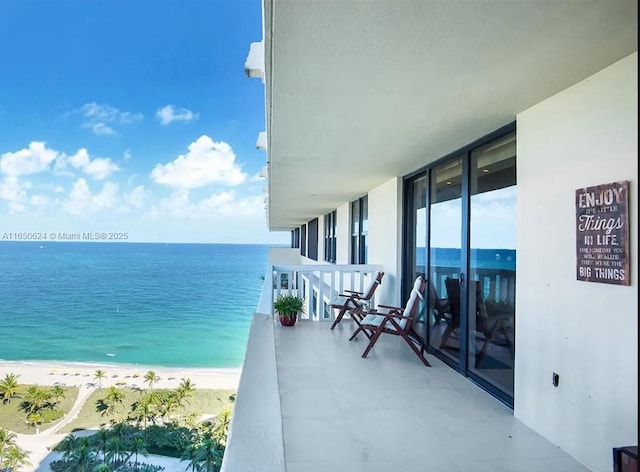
493, 262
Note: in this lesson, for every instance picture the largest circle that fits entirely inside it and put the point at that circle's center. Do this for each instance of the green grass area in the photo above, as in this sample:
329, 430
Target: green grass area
203, 401
13, 418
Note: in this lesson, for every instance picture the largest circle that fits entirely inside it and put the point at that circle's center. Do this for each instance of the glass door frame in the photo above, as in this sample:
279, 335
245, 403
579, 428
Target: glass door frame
408, 254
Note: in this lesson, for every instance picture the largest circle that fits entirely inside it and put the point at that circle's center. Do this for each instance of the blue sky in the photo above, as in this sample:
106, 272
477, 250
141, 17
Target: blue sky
132, 116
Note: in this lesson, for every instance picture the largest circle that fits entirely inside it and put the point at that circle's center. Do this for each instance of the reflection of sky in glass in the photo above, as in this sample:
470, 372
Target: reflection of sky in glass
493, 221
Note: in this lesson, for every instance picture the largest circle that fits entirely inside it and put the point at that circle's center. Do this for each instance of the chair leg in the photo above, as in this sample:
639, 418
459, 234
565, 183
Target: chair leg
413, 347
445, 336
372, 341
356, 332
339, 317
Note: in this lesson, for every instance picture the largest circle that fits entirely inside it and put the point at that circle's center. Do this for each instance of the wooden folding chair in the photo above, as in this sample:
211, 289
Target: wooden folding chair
396, 321
353, 302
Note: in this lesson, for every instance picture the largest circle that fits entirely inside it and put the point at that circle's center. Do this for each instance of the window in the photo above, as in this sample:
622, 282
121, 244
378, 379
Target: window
303, 240
312, 239
295, 238
359, 229
330, 236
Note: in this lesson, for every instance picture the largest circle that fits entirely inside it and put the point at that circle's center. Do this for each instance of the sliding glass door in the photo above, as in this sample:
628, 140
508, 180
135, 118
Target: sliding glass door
492, 262
460, 233
445, 258
416, 239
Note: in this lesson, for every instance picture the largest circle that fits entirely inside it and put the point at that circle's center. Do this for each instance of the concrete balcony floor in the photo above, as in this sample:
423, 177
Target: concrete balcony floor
386, 413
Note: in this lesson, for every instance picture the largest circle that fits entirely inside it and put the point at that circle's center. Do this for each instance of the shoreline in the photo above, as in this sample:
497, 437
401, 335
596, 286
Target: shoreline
68, 373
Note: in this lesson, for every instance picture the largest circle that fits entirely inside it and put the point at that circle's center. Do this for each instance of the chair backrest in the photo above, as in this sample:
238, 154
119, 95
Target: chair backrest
435, 302
373, 285
411, 308
453, 293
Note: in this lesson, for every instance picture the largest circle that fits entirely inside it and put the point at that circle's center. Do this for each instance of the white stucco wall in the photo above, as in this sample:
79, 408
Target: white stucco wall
384, 236
343, 234
586, 332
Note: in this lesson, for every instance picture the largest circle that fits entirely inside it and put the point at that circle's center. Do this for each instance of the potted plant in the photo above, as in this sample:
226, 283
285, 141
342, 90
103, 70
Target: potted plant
288, 307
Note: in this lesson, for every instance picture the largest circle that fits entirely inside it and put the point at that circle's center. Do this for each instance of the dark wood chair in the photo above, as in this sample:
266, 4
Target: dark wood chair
395, 321
353, 302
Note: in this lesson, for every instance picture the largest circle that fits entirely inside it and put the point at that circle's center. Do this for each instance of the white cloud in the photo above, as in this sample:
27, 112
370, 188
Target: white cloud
14, 192
99, 168
101, 129
39, 200
81, 200
171, 113
206, 162
136, 197
223, 204
36, 158
126, 155
102, 118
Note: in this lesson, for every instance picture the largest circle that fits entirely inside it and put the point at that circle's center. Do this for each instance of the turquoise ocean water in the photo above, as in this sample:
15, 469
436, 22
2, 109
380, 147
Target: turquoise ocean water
178, 305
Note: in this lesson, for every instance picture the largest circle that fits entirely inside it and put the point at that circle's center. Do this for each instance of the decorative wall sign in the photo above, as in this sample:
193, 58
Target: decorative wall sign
602, 233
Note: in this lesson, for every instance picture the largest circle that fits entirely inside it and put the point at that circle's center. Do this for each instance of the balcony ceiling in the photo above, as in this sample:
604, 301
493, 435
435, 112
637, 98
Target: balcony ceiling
359, 92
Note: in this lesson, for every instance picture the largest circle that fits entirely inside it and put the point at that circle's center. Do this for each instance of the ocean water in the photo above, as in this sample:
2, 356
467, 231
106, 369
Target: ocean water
499, 259
178, 305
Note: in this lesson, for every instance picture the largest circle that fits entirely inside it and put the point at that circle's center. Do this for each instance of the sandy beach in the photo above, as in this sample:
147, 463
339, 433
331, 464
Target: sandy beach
82, 375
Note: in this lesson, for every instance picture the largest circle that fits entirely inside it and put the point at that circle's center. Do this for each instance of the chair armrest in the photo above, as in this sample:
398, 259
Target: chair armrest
353, 292
389, 307
396, 315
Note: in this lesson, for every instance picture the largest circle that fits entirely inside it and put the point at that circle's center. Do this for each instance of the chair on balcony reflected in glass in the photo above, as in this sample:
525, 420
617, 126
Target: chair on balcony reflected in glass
354, 302
486, 327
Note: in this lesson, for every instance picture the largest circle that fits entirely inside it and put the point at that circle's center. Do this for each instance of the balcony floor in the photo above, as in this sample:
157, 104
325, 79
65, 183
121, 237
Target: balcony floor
389, 412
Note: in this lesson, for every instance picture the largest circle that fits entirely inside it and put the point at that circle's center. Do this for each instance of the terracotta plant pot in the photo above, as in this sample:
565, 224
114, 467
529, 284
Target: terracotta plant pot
288, 320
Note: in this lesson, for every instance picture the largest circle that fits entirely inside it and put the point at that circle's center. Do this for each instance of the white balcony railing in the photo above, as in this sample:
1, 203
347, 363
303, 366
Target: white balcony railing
318, 284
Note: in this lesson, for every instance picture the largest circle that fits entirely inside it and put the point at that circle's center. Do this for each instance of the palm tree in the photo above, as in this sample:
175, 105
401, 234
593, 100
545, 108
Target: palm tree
57, 393
35, 419
137, 446
168, 402
68, 445
221, 426
35, 399
101, 438
115, 451
151, 378
15, 458
113, 399
9, 387
143, 410
7, 439
99, 375
209, 456
185, 390
83, 457
191, 454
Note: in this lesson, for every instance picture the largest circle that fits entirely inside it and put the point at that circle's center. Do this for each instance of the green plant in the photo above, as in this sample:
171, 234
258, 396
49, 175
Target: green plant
288, 305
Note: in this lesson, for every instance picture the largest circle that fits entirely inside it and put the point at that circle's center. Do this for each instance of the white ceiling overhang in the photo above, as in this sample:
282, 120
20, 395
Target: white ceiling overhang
359, 92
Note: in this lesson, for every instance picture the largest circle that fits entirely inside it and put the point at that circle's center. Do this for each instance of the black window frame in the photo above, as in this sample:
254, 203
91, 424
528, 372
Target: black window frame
312, 239
330, 236
359, 234
295, 238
